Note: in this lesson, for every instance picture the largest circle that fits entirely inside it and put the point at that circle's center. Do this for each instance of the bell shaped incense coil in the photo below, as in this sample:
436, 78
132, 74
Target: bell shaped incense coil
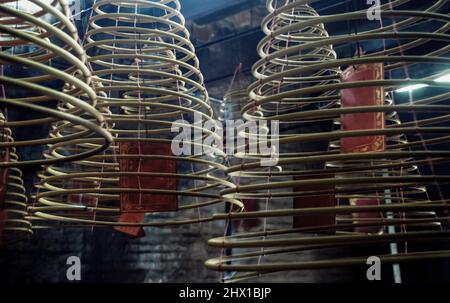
282, 55
152, 94
39, 52
14, 223
360, 172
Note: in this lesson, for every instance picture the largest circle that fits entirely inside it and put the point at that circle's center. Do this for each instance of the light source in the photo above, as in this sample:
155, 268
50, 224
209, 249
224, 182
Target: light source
411, 88
442, 79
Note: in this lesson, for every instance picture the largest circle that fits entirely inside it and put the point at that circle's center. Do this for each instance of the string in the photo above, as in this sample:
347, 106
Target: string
179, 85
83, 40
138, 83
411, 102
106, 125
400, 190
237, 71
278, 91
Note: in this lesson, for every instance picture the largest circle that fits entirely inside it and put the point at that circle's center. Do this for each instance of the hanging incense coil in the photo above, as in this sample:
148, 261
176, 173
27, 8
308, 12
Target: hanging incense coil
14, 224
398, 176
277, 74
39, 52
148, 81
406, 167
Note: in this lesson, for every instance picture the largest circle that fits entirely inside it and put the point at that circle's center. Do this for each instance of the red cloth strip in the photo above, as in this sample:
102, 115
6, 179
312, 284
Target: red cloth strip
365, 96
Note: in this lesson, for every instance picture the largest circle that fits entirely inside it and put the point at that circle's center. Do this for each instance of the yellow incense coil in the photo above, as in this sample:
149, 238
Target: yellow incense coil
37, 39
149, 84
298, 84
15, 201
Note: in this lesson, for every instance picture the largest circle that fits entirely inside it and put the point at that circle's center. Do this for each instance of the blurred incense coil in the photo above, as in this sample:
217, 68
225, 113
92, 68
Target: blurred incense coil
14, 201
39, 52
361, 199
149, 86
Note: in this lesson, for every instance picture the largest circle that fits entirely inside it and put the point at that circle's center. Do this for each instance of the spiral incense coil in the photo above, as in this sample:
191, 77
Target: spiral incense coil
148, 81
314, 165
277, 74
14, 203
407, 167
39, 51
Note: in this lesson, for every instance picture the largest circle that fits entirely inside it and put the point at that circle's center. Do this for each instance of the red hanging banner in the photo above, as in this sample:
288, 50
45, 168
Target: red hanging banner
147, 203
366, 217
314, 201
134, 205
132, 231
365, 96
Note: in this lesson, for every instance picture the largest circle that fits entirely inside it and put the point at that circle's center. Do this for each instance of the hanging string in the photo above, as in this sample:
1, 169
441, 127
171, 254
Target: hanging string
237, 71
275, 21
400, 190
137, 36
411, 102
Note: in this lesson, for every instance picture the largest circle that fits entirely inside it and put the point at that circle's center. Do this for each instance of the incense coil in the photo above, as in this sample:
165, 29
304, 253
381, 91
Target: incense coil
274, 73
15, 201
31, 46
403, 169
148, 81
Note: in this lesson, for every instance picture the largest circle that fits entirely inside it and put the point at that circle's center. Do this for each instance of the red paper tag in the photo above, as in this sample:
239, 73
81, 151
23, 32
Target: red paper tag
365, 96
134, 205
247, 224
367, 216
132, 231
147, 203
3, 217
319, 200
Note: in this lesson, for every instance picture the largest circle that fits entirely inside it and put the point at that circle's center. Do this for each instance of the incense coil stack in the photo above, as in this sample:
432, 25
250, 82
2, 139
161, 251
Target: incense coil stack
276, 71
377, 195
405, 167
149, 85
39, 45
14, 201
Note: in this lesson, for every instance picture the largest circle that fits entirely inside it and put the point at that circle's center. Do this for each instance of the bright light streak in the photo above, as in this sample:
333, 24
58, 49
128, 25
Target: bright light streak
411, 88
444, 78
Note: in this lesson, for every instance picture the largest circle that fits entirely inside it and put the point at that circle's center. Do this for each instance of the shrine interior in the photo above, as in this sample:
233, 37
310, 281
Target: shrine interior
285, 141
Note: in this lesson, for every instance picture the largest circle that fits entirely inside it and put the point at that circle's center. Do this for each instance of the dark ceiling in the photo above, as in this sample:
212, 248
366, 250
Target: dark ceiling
226, 32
